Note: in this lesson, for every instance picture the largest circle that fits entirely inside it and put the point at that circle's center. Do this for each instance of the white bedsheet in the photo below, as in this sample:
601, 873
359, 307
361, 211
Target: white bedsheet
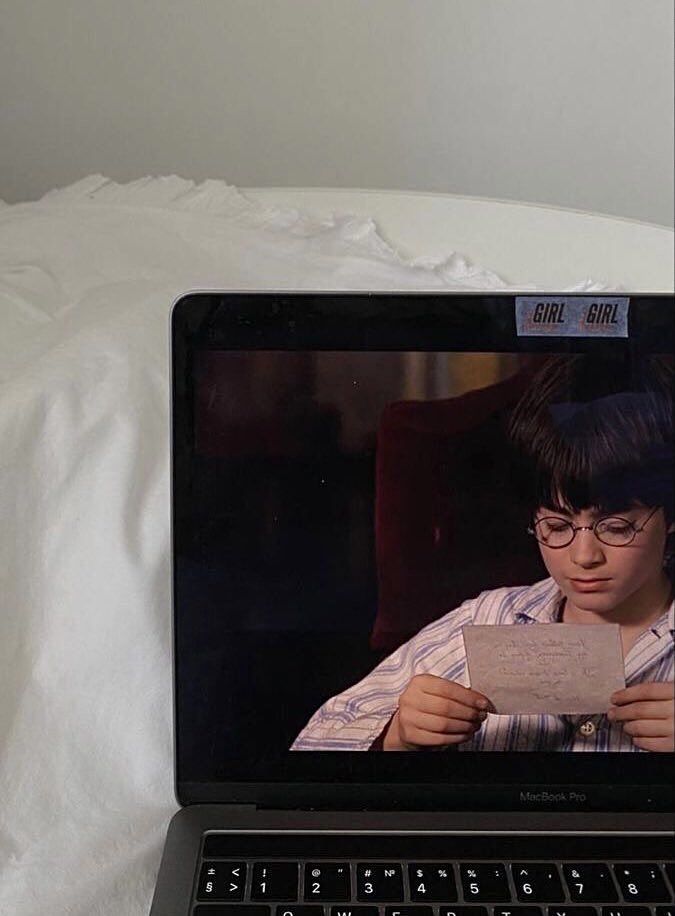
87, 278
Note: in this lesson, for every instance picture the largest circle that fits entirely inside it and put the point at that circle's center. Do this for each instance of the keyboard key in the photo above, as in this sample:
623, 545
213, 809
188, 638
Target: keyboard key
408, 911
275, 881
486, 882
516, 911
670, 871
432, 881
231, 909
291, 909
354, 911
327, 881
462, 911
590, 883
222, 881
376, 882
572, 911
625, 911
537, 881
643, 883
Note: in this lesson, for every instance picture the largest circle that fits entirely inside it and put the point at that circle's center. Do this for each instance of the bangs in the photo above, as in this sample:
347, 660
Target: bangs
576, 499
611, 453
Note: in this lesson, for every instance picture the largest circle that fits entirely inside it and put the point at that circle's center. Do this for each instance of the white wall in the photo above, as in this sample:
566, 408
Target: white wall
567, 102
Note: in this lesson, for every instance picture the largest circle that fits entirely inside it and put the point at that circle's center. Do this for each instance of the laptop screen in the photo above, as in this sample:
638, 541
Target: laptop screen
391, 511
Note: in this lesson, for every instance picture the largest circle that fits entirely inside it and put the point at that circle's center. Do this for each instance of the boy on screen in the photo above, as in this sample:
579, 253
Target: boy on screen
593, 456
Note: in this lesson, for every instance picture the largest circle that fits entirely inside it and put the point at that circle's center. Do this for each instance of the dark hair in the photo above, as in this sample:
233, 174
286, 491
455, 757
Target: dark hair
596, 431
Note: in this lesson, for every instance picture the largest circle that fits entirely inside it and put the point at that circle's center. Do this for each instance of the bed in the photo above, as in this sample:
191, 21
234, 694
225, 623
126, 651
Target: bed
88, 275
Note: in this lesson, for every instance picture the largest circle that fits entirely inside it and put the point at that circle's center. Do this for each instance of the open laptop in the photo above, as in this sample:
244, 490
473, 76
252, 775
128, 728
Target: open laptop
351, 511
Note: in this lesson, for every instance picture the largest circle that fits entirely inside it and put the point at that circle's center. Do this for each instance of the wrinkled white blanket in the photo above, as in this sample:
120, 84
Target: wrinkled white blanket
87, 278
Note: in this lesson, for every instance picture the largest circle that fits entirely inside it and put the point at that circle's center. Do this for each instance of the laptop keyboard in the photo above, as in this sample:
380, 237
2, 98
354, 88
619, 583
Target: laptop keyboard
315, 885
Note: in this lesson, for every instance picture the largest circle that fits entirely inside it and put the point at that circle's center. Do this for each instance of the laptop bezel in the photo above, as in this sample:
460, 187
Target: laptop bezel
636, 782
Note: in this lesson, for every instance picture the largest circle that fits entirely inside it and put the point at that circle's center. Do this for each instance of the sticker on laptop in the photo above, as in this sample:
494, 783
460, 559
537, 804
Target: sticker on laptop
572, 316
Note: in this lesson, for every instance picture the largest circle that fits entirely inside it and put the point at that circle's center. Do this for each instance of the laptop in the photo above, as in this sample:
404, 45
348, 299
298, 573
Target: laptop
387, 509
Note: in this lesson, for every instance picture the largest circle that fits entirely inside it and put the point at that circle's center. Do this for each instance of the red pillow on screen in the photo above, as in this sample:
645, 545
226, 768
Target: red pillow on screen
441, 481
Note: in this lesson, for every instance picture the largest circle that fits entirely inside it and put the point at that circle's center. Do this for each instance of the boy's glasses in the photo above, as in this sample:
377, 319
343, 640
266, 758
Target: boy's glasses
611, 530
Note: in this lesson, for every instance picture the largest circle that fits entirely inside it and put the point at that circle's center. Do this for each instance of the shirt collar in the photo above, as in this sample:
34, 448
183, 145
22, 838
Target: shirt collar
547, 608
666, 623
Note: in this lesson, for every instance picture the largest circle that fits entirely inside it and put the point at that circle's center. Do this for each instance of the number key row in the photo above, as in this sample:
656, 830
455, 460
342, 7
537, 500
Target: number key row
485, 882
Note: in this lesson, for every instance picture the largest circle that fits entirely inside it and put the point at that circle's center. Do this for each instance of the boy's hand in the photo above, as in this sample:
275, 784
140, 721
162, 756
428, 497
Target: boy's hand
646, 712
433, 713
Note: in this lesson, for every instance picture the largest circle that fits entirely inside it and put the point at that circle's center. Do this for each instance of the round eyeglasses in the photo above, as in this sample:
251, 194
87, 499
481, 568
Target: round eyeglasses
611, 530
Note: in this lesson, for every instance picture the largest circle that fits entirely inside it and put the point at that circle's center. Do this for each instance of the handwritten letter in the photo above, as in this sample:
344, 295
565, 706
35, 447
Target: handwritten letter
545, 668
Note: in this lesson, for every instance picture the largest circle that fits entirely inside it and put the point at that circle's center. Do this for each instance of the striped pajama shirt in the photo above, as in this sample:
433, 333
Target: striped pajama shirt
352, 720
